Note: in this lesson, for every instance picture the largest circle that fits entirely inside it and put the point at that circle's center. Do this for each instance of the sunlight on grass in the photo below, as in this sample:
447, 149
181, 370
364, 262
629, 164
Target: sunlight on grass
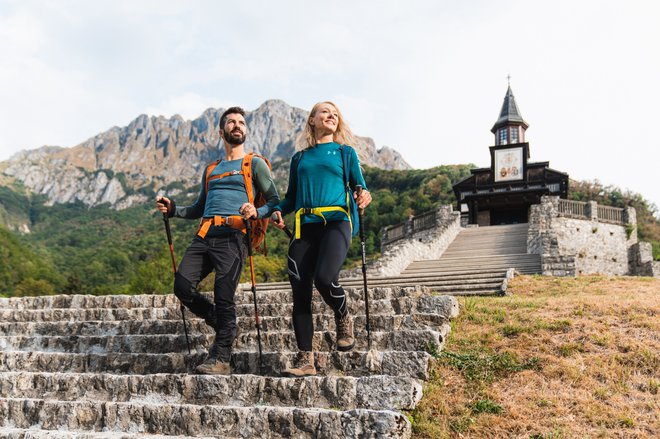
559, 358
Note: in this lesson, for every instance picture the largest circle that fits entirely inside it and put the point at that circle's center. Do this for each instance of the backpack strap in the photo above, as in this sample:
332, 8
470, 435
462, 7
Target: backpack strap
246, 170
207, 174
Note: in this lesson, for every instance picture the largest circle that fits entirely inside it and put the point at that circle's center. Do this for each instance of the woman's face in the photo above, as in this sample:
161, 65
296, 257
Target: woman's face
325, 120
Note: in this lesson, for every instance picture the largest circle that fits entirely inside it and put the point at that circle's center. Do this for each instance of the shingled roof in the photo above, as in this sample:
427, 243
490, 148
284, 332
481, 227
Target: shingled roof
509, 115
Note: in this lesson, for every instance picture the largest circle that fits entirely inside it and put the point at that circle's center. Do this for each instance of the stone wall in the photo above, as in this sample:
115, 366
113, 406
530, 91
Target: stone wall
641, 260
570, 246
425, 244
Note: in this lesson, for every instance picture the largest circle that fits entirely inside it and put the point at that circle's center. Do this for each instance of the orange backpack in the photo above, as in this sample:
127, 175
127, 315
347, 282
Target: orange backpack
259, 226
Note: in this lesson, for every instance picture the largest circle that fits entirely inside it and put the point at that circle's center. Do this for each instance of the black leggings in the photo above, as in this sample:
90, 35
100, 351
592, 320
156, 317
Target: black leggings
316, 259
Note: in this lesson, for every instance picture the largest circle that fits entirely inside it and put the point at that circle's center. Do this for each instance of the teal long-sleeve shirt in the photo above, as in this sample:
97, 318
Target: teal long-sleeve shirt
316, 179
225, 196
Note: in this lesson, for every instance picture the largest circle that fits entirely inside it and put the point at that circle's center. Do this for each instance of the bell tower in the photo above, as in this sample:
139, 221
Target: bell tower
510, 126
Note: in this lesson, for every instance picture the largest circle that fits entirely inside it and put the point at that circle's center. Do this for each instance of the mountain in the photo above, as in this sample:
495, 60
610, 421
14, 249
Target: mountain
129, 165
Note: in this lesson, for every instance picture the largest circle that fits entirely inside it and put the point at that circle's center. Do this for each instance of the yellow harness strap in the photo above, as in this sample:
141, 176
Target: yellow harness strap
319, 211
233, 221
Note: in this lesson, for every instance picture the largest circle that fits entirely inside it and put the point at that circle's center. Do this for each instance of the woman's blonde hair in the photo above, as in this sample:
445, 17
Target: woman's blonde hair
343, 135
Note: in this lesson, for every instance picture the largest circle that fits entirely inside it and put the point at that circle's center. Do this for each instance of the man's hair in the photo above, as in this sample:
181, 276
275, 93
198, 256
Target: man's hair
231, 110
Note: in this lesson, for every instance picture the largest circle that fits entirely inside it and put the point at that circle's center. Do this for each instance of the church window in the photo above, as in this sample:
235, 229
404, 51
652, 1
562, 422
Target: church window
514, 134
503, 136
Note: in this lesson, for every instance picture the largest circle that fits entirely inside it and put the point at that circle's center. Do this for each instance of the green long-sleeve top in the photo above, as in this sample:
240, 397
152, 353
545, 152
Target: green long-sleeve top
316, 179
226, 195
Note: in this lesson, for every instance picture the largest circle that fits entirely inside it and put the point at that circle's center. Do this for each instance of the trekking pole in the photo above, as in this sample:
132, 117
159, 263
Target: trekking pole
358, 190
286, 229
166, 220
248, 227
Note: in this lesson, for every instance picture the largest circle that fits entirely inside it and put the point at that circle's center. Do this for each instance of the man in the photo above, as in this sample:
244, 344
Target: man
221, 243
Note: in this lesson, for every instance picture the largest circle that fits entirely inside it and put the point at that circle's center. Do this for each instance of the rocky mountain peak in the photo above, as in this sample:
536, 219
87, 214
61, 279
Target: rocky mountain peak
123, 164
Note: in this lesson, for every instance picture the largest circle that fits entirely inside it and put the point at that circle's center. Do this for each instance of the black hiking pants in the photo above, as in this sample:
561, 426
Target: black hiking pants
226, 255
315, 260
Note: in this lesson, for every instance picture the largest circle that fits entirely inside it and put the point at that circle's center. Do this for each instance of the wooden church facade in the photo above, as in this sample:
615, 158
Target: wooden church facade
504, 192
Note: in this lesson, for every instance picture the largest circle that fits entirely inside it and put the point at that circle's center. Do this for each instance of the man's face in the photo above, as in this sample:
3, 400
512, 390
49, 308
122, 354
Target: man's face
235, 129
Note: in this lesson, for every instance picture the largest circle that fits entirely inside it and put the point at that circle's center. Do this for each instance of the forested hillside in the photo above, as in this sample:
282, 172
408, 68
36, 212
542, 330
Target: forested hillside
76, 249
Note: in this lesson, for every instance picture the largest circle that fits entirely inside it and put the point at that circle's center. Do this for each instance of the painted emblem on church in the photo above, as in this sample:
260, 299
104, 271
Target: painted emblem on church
508, 163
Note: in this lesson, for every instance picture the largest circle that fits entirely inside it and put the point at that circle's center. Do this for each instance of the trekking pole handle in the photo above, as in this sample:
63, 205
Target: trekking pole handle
358, 191
248, 233
286, 229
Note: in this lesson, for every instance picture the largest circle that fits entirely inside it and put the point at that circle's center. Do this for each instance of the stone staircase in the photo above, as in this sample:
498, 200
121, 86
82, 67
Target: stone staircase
477, 261
118, 367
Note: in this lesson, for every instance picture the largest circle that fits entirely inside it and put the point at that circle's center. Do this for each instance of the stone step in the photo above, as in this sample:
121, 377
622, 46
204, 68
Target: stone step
274, 341
435, 280
281, 292
459, 289
378, 322
370, 392
442, 305
126, 302
476, 264
33, 433
477, 253
90, 301
484, 251
354, 363
440, 268
195, 420
494, 238
498, 234
517, 257
494, 229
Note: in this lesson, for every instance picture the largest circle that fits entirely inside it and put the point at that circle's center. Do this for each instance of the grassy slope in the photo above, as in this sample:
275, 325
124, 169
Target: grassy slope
559, 358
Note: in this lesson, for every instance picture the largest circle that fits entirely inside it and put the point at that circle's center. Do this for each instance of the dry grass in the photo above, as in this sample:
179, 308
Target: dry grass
559, 358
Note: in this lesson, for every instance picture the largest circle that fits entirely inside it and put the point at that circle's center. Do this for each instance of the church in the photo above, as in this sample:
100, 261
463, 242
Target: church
504, 192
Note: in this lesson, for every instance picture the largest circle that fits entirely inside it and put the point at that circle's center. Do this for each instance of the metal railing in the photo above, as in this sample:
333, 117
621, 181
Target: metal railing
393, 233
423, 221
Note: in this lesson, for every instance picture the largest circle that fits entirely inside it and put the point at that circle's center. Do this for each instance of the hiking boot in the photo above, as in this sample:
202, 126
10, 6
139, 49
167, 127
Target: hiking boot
217, 361
303, 365
345, 336
212, 366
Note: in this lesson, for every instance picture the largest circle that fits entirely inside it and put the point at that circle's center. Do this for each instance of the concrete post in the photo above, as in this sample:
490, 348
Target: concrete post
591, 210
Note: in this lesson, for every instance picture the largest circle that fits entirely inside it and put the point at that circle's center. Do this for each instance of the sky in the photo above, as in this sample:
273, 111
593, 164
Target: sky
426, 78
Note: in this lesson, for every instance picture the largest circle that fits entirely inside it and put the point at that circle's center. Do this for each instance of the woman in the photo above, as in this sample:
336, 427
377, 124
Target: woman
319, 180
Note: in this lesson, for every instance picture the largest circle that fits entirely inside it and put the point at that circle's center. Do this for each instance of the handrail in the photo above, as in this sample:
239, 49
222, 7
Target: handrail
423, 221
573, 209
580, 210
610, 214
393, 233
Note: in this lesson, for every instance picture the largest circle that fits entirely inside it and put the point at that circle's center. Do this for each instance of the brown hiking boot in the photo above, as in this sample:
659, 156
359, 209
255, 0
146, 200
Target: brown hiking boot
345, 336
214, 363
212, 366
303, 365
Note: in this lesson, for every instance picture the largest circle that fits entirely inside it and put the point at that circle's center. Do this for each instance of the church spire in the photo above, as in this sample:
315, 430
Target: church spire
510, 126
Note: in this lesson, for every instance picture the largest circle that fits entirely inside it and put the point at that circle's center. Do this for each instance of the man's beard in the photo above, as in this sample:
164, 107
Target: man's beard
234, 139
